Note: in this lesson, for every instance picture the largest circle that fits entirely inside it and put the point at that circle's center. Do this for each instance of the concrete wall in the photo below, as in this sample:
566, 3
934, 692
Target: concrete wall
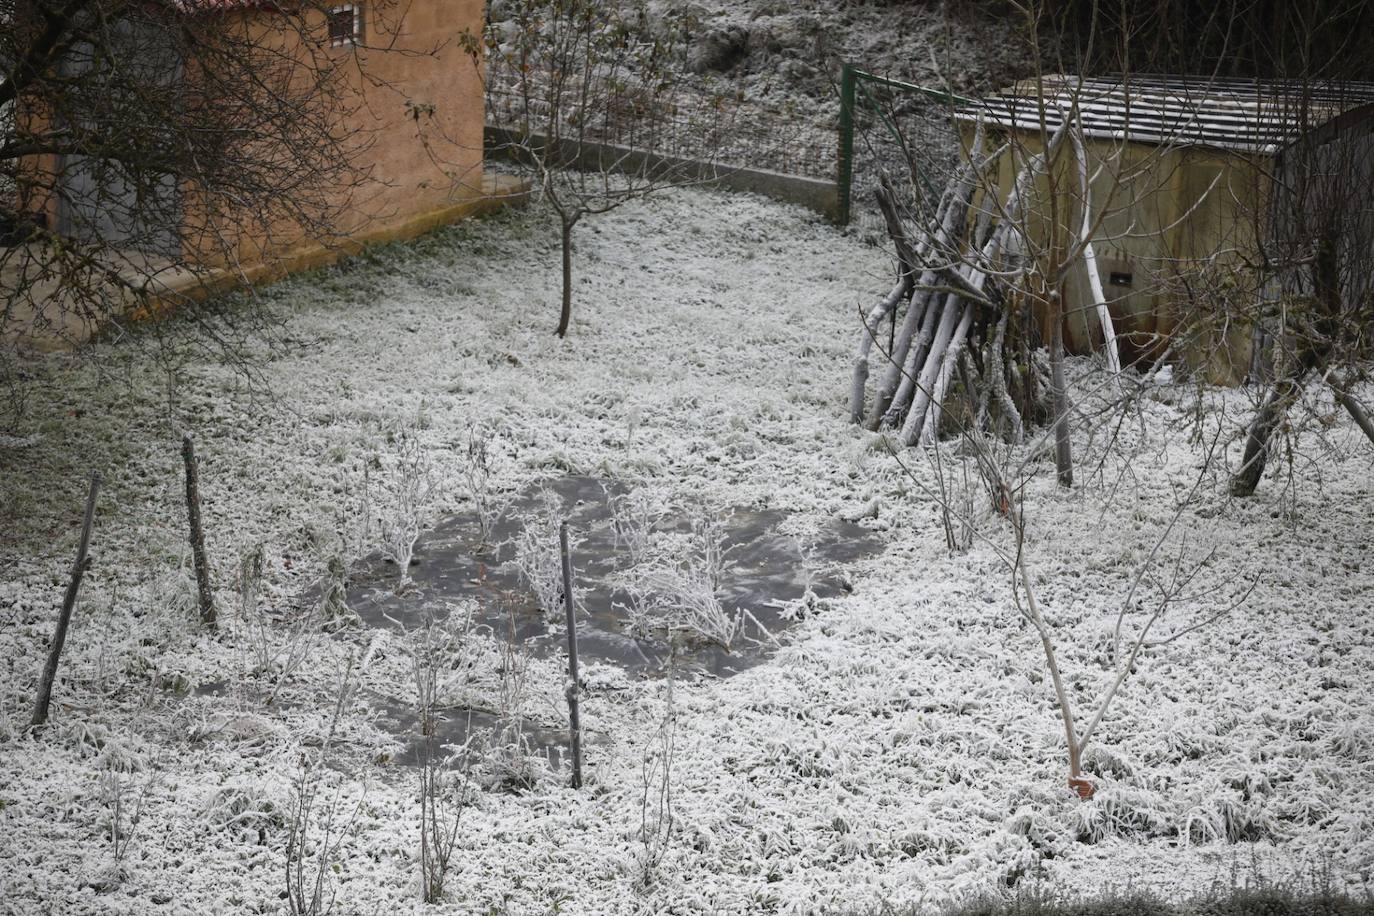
821, 196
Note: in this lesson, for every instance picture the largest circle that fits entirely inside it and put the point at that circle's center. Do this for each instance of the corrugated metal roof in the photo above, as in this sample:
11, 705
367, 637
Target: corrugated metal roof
1249, 115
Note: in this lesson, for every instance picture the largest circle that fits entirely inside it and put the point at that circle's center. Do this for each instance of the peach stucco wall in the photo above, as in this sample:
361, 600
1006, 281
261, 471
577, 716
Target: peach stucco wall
418, 113
425, 163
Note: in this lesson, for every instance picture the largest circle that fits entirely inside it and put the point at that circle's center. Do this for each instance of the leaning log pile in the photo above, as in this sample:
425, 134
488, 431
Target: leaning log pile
963, 312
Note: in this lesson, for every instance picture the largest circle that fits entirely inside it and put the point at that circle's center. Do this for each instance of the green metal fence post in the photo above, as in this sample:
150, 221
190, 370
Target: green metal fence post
846, 163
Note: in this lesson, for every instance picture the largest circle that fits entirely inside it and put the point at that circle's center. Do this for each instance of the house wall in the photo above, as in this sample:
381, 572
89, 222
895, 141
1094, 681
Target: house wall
417, 170
417, 124
1168, 240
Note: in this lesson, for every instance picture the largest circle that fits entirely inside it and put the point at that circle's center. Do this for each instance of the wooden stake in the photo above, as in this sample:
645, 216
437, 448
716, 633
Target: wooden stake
64, 618
207, 599
570, 605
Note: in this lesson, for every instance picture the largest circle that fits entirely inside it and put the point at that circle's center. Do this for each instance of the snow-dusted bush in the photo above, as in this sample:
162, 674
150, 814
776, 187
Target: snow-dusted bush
245, 810
656, 812
478, 473
678, 586
537, 555
124, 812
635, 517
412, 492
439, 646
318, 821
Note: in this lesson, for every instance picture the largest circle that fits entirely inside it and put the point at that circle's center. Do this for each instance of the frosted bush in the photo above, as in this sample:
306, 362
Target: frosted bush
412, 492
635, 517
509, 758
683, 598
537, 556
478, 474
244, 810
677, 586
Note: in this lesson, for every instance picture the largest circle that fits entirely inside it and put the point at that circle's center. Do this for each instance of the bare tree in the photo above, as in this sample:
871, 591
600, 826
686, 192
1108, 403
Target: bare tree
992, 276
1160, 584
592, 102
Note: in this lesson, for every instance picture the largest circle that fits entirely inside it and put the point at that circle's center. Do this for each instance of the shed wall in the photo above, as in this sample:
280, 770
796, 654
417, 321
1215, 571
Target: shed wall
1170, 225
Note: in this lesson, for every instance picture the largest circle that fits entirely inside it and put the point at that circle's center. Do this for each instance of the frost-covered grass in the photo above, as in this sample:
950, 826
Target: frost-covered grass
902, 749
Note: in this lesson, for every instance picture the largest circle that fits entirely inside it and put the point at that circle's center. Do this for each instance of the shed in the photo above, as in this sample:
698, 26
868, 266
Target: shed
1196, 184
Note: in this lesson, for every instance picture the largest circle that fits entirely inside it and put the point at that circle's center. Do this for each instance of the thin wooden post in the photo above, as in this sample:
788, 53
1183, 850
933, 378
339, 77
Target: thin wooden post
64, 618
207, 599
570, 606
846, 150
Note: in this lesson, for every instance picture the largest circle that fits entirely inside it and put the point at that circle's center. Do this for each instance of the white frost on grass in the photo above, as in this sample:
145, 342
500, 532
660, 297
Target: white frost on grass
903, 747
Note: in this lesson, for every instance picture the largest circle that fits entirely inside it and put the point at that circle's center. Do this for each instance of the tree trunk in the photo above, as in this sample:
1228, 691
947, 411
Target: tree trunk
565, 314
1356, 409
1267, 419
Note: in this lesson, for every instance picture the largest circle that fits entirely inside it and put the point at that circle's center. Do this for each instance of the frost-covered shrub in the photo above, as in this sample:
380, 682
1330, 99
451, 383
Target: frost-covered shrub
244, 810
537, 555
176, 600
478, 474
412, 493
682, 597
676, 586
657, 814
635, 517
332, 610
109, 751
124, 806
438, 647
507, 757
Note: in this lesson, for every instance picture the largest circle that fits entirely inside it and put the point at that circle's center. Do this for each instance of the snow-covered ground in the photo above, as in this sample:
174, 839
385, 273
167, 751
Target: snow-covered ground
902, 748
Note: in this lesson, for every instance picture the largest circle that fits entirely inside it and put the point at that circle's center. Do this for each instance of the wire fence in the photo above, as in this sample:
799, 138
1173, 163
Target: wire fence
719, 130
897, 130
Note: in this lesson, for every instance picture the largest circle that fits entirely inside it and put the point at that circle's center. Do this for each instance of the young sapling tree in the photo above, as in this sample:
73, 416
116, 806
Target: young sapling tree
561, 72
